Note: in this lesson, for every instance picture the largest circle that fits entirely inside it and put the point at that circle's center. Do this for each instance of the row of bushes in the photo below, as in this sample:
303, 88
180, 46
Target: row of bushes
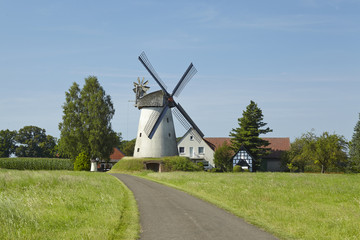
37, 163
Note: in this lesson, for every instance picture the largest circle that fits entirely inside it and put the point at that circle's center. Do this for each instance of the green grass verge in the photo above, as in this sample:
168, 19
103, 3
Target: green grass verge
291, 206
65, 205
36, 163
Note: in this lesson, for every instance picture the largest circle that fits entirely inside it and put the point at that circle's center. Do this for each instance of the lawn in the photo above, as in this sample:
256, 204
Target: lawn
291, 206
65, 205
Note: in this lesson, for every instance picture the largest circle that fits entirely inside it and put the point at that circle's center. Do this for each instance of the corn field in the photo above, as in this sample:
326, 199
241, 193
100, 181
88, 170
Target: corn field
36, 163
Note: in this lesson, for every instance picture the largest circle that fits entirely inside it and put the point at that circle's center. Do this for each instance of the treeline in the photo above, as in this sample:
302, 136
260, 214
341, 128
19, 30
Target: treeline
29, 141
324, 153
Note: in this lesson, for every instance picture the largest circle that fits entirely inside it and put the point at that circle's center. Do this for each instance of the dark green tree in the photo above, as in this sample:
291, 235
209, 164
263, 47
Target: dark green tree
222, 158
49, 147
71, 128
248, 134
86, 125
127, 147
7, 143
354, 163
33, 142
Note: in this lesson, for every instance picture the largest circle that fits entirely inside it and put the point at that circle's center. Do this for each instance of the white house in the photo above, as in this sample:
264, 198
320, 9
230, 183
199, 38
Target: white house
202, 150
196, 148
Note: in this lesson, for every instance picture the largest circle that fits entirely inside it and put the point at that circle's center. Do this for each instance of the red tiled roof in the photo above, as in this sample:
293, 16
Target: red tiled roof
277, 145
117, 154
214, 143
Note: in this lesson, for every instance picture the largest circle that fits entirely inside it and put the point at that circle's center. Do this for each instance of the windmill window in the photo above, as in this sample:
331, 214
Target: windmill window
169, 134
138, 150
140, 134
167, 119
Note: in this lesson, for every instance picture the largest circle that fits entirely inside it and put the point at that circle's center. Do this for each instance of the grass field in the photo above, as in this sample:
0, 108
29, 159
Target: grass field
65, 205
291, 206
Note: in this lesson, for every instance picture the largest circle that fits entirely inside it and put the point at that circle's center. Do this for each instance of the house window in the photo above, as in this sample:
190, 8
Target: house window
181, 150
191, 138
201, 150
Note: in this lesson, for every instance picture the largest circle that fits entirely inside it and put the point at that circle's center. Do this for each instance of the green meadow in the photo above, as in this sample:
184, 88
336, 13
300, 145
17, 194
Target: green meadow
291, 206
86, 205
65, 205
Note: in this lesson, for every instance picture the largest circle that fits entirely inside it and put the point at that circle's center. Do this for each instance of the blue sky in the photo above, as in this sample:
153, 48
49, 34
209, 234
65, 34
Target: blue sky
298, 60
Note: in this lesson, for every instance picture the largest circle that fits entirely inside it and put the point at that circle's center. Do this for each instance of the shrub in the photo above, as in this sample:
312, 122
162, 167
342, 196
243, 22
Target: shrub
222, 158
237, 168
179, 164
200, 165
36, 163
82, 162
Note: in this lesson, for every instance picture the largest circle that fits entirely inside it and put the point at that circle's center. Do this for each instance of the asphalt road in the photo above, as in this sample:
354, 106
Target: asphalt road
170, 214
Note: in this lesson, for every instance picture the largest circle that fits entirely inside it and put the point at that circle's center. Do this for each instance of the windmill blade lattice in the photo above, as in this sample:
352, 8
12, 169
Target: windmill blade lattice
158, 121
188, 119
189, 73
151, 122
145, 61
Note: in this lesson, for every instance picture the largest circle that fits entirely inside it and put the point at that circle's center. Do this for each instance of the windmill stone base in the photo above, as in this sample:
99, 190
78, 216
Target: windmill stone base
163, 143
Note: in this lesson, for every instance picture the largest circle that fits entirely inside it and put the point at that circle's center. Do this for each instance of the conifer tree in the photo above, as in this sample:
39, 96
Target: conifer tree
354, 152
248, 134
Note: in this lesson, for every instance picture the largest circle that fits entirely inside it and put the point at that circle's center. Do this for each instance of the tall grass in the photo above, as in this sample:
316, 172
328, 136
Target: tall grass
36, 163
291, 206
65, 205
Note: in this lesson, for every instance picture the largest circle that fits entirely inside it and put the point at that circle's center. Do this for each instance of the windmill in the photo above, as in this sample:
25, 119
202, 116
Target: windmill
156, 132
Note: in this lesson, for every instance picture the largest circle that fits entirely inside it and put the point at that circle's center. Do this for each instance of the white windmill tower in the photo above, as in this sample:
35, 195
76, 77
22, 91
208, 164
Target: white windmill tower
156, 132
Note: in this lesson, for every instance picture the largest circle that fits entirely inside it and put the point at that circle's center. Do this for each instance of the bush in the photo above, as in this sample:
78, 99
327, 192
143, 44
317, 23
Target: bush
82, 162
180, 164
36, 163
237, 168
222, 158
200, 165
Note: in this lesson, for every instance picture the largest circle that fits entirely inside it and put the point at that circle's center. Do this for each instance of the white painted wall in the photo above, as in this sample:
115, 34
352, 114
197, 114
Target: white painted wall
163, 142
187, 142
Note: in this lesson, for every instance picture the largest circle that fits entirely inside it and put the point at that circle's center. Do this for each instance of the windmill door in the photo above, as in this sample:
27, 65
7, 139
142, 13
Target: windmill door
191, 152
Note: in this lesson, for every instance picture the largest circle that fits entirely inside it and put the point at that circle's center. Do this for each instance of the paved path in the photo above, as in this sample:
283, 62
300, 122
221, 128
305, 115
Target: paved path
170, 214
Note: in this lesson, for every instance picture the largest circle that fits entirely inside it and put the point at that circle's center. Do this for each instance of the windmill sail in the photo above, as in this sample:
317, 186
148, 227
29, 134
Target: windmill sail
145, 61
156, 117
188, 119
189, 73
